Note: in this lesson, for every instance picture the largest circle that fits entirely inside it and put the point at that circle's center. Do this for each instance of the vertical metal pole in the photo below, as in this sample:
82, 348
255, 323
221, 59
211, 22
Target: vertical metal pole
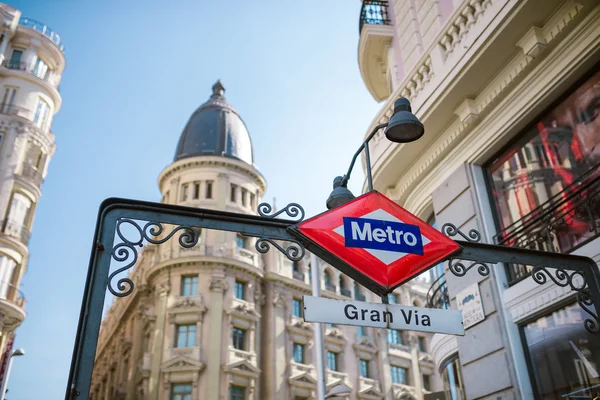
368, 162
6, 375
316, 292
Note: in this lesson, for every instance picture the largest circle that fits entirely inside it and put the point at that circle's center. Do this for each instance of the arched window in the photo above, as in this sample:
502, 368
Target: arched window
344, 291
328, 281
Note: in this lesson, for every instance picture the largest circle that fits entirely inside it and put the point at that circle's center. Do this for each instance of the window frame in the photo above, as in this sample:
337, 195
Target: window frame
175, 385
297, 306
209, 189
242, 394
399, 368
300, 346
332, 355
187, 335
366, 373
239, 285
238, 334
193, 286
196, 193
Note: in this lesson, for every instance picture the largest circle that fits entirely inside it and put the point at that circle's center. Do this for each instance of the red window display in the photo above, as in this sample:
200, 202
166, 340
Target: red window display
546, 186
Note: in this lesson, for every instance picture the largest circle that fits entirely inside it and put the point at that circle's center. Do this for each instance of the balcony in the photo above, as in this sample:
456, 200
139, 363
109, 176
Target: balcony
15, 229
437, 295
9, 109
44, 30
373, 12
31, 69
32, 174
12, 294
565, 222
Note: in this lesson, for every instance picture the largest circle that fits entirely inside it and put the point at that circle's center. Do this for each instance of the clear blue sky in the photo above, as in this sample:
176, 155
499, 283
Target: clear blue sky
136, 70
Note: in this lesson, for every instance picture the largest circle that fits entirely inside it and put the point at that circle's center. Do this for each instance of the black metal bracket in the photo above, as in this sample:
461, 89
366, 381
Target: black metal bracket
115, 214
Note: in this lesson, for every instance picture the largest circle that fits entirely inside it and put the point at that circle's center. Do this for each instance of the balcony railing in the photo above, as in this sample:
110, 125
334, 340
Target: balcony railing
43, 29
32, 174
330, 287
12, 294
346, 292
298, 275
15, 229
359, 297
10, 109
568, 220
373, 12
437, 295
32, 69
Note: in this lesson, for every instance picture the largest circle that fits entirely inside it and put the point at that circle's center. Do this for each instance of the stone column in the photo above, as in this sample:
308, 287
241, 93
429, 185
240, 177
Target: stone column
384, 361
157, 348
136, 354
218, 286
280, 302
415, 367
3, 47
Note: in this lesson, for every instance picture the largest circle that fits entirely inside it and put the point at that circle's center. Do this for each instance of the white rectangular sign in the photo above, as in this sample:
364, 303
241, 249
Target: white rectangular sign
469, 302
395, 316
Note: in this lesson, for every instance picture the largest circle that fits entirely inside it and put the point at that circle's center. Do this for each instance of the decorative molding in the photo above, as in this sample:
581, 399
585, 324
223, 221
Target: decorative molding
218, 285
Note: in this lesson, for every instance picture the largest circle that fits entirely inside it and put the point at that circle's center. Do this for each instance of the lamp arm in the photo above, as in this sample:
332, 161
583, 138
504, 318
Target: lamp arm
360, 149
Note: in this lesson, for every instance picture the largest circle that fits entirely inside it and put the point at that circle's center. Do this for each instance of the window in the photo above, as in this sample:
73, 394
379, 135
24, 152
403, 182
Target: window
7, 268
189, 285
8, 100
181, 392
361, 331
209, 185
196, 190
563, 356
240, 290
297, 308
563, 146
40, 69
186, 336
184, 192
399, 374
244, 194
392, 298
237, 393
240, 241
427, 382
299, 353
332, 361
18, 213
452, 379
40, 117
422, 346
394, 336
364, 368
232, 196
252, 200
15, 59
328, 285
239, 339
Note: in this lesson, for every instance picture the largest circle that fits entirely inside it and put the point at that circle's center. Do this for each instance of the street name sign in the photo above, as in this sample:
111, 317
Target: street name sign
393, 316
381, 244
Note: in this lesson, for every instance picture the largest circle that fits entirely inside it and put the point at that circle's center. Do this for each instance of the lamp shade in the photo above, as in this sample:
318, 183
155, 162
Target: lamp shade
340, 194
404, 126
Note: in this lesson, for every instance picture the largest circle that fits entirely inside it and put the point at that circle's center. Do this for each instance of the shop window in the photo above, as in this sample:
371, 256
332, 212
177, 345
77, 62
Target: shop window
543, 180
564, 357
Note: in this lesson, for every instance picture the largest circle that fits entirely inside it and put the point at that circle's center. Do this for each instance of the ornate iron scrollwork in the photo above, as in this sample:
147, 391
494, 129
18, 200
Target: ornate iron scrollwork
564, 278
293, 210
127, 249
458, 268
294, 251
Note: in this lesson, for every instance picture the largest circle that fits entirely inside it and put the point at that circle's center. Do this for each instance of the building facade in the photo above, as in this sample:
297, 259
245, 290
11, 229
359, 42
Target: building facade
31, 66
508, 92
221, 321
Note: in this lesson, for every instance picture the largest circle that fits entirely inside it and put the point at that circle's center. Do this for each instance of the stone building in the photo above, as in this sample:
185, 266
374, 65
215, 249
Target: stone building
31, 65
508, 93
220, 320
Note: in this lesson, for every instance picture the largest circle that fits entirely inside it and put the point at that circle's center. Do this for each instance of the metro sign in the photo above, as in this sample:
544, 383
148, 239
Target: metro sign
380, 244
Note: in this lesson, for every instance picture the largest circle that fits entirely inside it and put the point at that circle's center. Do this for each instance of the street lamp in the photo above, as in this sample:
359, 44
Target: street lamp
403, 127
14, 353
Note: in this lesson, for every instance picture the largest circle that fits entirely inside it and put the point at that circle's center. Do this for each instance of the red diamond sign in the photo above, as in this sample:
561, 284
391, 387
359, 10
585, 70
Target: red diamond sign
380, 240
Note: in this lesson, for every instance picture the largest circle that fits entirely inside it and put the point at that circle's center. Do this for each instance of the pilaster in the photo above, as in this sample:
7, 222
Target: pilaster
157, 348
218, 286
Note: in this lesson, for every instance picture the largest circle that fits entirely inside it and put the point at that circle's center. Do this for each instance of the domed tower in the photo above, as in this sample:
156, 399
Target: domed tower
31, 66
206, 299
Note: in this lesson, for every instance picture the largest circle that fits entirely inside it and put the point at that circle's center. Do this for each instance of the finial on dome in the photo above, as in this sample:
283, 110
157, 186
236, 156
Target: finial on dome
218, 89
